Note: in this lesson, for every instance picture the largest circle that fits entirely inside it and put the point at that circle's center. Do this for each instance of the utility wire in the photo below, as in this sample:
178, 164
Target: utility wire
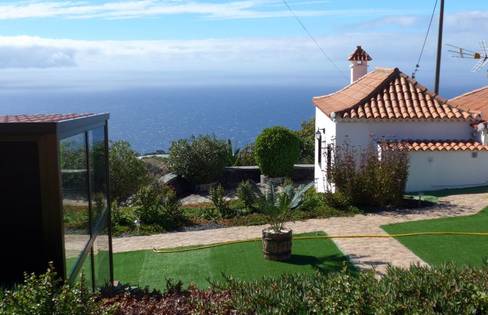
417, 66
297, 18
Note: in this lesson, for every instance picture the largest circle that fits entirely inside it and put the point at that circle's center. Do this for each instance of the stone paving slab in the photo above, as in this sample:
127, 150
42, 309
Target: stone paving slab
375, 253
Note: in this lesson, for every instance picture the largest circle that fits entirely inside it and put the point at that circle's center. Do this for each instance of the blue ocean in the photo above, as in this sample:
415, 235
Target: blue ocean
151, 118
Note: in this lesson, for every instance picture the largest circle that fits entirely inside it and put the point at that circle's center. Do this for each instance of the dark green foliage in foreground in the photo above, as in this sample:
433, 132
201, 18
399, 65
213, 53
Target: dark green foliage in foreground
443, 290
307, 136
277, 150
368, 180
127, 172
436, 250
200, 160
420, 290
47, 295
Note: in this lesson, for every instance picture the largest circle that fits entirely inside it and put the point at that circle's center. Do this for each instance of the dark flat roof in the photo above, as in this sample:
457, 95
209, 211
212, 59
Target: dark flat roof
62, 124
40, 118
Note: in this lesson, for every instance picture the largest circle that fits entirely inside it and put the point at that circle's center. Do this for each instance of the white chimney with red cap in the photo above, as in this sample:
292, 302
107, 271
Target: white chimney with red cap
359, 63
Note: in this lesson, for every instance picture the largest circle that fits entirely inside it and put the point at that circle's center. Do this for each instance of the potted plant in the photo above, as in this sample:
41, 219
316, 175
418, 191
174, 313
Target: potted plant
277, 206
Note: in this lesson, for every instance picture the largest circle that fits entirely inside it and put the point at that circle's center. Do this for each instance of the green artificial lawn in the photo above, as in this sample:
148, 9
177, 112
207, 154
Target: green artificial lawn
433, 196
243, 261
435, 250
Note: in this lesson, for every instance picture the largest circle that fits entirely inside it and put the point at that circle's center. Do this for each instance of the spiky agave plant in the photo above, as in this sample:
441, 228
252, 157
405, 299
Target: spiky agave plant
278, 206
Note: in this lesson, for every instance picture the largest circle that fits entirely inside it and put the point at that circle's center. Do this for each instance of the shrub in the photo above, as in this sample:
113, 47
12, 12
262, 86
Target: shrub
158, 205
277, 150
307, 137
200, 160
419, 290
369, 179
246, 192
127, 173
47, 294
217, 195
245, 156
338, 200
312, 200
123, 215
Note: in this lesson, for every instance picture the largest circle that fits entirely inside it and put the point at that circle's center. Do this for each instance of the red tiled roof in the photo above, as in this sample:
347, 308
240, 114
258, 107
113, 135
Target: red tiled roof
435, 145
359, 55
40, 118
474, 100
387, 93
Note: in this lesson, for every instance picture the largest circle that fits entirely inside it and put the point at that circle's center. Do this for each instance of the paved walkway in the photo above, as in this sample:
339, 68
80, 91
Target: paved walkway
375, 253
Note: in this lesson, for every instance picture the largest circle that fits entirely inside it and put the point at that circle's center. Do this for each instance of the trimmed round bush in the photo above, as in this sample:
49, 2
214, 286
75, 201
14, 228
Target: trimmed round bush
277, 150
201, 160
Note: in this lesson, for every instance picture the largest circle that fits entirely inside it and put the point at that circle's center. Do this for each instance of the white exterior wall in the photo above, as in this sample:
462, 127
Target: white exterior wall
322, 121
362, 133
441, 169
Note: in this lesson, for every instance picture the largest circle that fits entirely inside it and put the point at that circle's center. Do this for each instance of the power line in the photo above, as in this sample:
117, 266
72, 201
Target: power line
417, 66
297, 18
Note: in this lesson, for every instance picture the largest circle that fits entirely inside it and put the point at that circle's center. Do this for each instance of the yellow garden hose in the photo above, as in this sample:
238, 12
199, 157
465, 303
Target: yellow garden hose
300, 238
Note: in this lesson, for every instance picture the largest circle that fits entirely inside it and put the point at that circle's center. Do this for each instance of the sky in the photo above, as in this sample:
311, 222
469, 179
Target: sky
114, 43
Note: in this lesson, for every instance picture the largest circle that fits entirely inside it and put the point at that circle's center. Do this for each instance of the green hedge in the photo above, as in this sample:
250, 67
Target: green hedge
419, 290
277, 149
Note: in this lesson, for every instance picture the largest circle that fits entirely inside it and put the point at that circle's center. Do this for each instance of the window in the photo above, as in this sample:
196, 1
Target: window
76, 212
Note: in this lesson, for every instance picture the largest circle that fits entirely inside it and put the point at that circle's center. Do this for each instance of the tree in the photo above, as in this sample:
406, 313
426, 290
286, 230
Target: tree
127, 173
307, 136
277, 150
200, 160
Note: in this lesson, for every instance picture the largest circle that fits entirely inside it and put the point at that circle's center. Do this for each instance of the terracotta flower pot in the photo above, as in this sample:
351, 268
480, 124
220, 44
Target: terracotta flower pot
277, 245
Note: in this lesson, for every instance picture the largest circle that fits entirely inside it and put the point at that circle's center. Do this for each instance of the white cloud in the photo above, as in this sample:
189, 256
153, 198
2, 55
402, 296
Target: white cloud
237, 9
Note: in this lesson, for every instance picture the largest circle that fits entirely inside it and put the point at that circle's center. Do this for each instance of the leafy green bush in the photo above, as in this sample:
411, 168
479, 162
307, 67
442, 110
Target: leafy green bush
312, 200
123, 215
127, 173
245, 156
246, 192
338, 200
47, 294
419, 290
307, 137
158, 205
217, 195
366, 178
277, 150
200, 160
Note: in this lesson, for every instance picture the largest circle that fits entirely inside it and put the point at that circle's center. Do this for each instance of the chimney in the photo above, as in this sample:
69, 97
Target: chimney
359, 63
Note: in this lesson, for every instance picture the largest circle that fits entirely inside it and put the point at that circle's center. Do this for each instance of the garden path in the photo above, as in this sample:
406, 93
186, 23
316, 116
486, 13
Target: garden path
374, 253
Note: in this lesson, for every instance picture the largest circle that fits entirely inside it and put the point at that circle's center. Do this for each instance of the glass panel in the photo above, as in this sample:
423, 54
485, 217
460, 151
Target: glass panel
75, 198
101, 255
86, 271
98, 174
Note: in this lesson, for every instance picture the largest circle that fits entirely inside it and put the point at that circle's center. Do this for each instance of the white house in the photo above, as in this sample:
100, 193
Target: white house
445, 139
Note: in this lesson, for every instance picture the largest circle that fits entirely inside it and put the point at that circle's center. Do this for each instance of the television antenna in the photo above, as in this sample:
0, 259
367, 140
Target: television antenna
481, 56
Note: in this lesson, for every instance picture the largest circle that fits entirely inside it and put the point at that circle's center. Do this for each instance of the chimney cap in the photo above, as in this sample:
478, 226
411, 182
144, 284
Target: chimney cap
359, 55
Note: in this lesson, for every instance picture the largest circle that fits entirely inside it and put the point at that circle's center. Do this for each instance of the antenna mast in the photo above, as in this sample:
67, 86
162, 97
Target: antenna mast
439, 49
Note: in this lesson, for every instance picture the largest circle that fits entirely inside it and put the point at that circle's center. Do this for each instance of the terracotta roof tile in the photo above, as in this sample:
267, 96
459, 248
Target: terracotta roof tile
387, 93
476, 100
359, 55
40, 118
435, 145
